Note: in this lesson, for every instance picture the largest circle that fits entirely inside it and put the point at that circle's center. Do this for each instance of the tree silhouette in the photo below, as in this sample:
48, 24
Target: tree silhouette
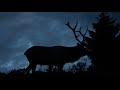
105, 43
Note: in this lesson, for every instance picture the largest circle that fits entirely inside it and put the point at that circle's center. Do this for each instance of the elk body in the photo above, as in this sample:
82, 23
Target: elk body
55, 55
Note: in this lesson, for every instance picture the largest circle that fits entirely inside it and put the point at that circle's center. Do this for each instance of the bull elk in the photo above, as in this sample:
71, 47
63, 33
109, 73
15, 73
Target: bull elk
56, 55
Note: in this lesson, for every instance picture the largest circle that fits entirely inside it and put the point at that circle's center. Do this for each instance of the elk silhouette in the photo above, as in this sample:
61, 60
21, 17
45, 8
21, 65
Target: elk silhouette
56, 55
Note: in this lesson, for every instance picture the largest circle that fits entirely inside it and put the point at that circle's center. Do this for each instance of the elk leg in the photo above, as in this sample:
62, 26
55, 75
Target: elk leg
28, 68
50, 68
60, 68
33, 68
55, 69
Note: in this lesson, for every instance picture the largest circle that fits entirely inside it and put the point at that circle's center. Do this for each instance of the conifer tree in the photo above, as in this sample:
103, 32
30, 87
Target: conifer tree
105, 41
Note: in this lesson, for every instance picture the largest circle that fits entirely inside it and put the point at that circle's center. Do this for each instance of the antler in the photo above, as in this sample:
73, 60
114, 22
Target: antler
73, 29
83, 35
80, 33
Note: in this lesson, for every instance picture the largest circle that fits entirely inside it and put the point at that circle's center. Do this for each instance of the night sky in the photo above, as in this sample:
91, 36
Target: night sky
21, 30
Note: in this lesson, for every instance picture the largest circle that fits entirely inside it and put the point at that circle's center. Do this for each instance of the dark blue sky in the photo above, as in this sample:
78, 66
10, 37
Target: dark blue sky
21, 30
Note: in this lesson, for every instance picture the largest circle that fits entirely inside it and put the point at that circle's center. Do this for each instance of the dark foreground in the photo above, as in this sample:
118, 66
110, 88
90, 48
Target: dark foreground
19, 75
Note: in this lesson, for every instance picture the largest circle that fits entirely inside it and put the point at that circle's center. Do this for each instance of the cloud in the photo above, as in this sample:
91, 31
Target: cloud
22, 30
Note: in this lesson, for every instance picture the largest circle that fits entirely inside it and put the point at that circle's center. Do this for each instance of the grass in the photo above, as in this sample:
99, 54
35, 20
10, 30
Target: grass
81, 75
